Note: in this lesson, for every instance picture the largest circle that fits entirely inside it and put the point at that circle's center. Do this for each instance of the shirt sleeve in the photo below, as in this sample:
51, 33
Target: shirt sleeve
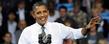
77, 34
23, 38
71, 32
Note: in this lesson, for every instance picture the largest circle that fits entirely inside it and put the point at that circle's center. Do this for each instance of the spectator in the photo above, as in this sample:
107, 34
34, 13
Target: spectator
21, 25
94, 35
54, 14
22, 13
79, 17
10, 25
63, 14
97, 11
67, 3
7, 38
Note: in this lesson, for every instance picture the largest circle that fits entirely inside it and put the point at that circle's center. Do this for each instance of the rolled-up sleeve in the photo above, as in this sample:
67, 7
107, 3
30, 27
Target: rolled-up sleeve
77, 34
72, 33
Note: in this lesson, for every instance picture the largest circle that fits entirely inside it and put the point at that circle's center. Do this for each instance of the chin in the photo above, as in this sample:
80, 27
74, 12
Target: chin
43, 23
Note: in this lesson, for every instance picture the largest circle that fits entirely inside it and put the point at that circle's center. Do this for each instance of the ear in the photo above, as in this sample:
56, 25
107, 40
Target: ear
48, 12
32, 14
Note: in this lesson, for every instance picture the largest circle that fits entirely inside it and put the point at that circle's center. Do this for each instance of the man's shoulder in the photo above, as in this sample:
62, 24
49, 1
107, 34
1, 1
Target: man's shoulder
28, 28
55, 23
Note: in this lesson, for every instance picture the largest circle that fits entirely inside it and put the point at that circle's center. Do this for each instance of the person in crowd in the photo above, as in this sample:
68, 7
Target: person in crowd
10, 25
54, 14
21, 25
7, 38
22, 13
80, 17
63, 14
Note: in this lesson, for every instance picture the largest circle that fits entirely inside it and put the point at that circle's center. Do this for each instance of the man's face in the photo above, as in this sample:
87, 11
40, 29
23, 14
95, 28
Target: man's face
62, 12
21, 5
7, 38
41, 14
11, 17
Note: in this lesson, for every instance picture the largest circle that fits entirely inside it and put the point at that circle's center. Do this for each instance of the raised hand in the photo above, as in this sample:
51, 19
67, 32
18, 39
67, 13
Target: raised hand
93, 22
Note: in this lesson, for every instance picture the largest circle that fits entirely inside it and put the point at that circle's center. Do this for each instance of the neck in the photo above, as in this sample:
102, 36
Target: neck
41, 24
11, 20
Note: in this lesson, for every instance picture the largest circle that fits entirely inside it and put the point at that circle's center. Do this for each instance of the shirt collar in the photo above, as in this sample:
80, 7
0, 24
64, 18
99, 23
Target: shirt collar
41, 26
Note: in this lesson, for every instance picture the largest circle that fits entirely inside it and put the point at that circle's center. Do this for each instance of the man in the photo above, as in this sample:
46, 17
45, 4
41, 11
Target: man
63, 14
21, 25
22, 13
58, 32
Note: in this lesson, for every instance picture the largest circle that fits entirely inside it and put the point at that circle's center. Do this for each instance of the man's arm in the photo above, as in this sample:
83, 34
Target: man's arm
78, 33
68, 41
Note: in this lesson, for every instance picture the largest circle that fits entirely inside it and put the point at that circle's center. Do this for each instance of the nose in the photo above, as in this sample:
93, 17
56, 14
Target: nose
42, 14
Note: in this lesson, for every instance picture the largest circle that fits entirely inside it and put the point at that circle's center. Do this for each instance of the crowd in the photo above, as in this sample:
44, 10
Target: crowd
15, 15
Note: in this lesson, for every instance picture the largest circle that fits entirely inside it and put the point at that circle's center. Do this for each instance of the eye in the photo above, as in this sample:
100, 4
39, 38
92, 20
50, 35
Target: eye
38, 12
45, 11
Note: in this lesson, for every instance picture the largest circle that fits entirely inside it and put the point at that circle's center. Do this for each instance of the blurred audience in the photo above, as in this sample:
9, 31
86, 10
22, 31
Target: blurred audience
21, 25
67, 3
22, 13
63, 14
54, 14
7, 38
78, 16
10, 25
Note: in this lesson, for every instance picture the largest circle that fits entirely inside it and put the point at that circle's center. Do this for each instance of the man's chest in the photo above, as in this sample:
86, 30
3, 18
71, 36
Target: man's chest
56, 36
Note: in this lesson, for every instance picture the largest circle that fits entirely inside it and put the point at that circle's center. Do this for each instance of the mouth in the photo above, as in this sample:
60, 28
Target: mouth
43, 19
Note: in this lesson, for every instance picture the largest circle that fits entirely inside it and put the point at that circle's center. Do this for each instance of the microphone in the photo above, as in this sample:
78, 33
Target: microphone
45, 39
40, 38
49, 38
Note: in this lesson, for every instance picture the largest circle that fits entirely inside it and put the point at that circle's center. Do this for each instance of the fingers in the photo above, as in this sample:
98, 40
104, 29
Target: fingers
95, 19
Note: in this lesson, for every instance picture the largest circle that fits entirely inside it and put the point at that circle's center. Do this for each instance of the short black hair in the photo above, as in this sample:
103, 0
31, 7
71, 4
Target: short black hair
39, 4
62, 7
12, 11
6, 33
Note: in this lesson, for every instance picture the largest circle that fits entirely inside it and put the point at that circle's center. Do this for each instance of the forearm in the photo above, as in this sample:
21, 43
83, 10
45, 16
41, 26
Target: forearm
85, 31
68, 41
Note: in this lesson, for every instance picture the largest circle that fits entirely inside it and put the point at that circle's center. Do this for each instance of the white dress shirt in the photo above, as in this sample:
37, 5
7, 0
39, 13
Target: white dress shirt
21, 14
12, 28
58, 32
